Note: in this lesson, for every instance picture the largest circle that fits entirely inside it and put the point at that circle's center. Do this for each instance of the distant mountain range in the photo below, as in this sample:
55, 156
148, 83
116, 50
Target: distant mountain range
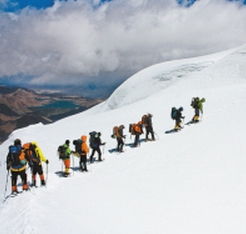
21, 107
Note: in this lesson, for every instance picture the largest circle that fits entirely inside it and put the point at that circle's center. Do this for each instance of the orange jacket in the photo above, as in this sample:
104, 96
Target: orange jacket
84, 146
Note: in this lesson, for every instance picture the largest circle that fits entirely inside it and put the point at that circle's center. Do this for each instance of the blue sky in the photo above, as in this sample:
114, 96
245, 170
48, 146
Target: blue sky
16, 5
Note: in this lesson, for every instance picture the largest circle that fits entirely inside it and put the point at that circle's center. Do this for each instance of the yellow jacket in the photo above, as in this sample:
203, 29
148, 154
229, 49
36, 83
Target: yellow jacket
39, 152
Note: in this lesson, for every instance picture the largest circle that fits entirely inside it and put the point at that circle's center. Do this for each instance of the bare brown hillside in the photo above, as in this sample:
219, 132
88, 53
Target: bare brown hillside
21, 107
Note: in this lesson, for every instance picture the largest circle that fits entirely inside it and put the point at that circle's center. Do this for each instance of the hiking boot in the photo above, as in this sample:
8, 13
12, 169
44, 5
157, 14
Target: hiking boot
43, 183
25, 187
33, 183
14, 189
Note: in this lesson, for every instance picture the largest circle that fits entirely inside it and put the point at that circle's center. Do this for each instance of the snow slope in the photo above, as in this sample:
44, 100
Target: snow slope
188, 182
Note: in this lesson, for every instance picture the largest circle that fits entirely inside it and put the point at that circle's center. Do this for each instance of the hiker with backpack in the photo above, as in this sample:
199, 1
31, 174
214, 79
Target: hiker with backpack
119, 135
36, 158
64, 154
136, 130
176, 114
197, 104
16, 163
147, 123
95, 143
84, 150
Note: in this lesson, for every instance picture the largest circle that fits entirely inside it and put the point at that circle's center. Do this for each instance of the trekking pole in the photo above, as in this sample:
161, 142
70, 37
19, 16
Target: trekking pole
157, 136
73, 165
183, 122
47, 173
61, 165
6, 184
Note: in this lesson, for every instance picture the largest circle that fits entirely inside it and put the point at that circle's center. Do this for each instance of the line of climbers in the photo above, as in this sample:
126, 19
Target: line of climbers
176, 114
30, 153
17, 160
81, 148
81, 151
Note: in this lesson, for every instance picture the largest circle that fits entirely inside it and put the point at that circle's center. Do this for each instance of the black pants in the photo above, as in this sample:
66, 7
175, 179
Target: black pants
136, 141
82, 163
37, 168
178, 123
98, 150
197, 112
15, 174
120, 144
149, 130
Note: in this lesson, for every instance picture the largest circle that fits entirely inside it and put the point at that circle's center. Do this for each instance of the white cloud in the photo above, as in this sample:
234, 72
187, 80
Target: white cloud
73, 41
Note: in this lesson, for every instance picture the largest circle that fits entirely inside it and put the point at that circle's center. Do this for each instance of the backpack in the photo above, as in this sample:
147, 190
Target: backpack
77, 145
27, 149
174, 113
115, 132
30, 152
137, 129
195, 102
61, 151
145, 119
130, 128
92, 139
17, 156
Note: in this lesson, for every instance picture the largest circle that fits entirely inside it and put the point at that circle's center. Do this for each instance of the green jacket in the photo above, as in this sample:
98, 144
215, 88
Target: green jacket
68, 151
200, 104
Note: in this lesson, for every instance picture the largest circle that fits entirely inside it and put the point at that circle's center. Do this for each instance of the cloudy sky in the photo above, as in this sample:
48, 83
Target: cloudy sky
91, 44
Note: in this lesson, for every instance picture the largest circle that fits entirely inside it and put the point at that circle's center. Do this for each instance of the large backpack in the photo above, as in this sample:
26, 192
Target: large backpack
195, 102
77, 145
61, 151
92, 139
130, 128
115, 132
174, 112
17, 156
137, 129
145, 120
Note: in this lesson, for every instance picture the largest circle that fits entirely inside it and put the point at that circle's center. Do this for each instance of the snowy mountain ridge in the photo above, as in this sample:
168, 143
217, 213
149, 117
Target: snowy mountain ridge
192, 181
161, 76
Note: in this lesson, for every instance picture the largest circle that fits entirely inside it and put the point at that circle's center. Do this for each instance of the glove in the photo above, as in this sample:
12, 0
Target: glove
104, 143
47, 161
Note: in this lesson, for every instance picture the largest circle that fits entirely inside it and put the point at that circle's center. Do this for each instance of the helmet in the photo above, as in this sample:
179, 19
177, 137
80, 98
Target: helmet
67, 142
17, 142
181, 108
